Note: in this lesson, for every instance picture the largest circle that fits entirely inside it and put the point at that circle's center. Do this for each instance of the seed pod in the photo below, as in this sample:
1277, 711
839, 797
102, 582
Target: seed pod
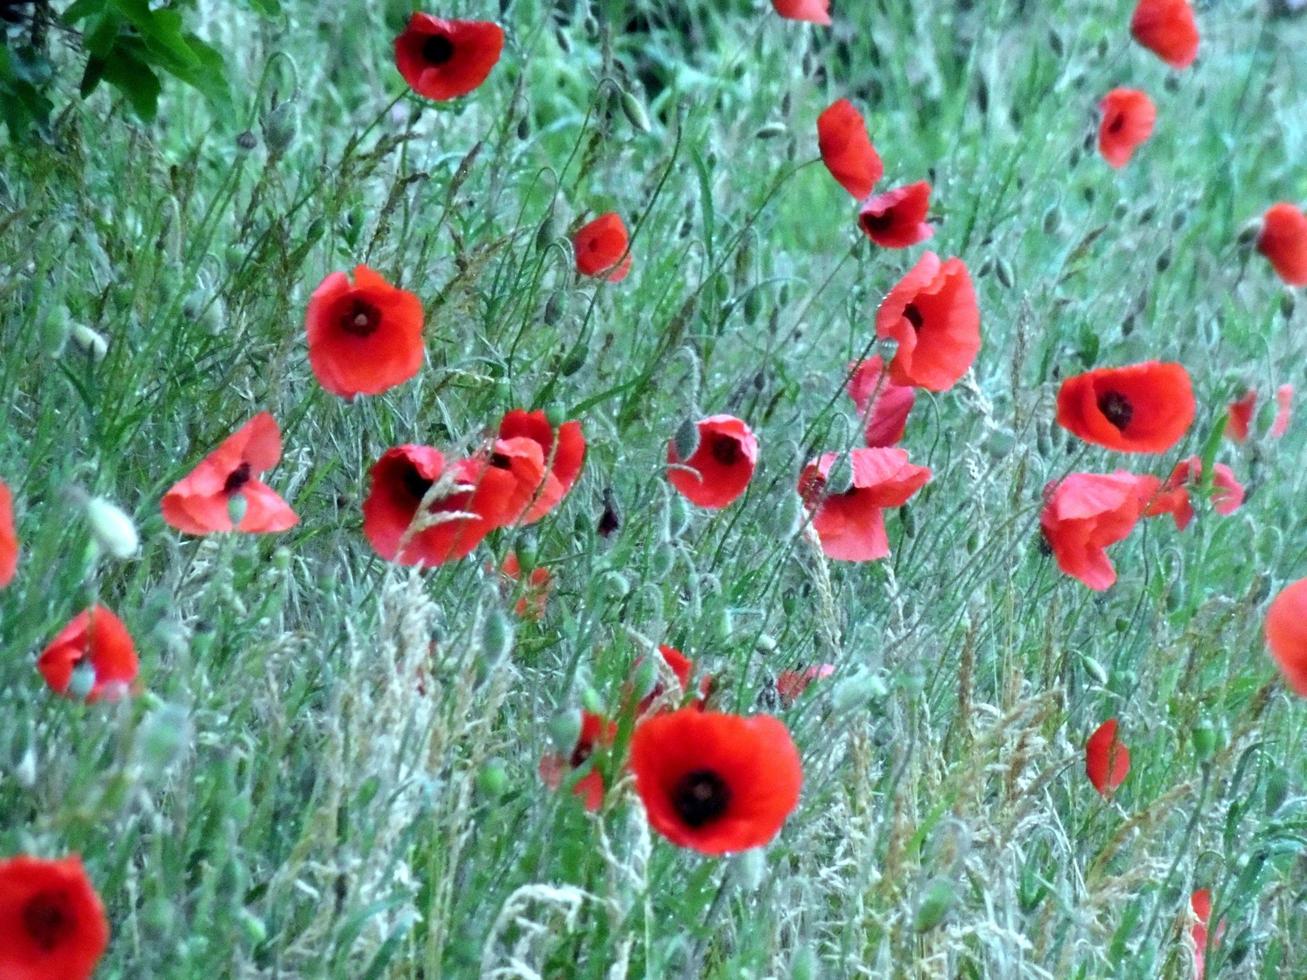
663, 561
1094, 669
1287, 301
90, 341
565, 729
280, 127
644, 678
839, 478
1052, 219
1204, 739
247, 141
1055, 43
933, 904
1004, 271
1277, 790
496, 636
524, 128
1164, 260
633, 109
492, 780
770, 130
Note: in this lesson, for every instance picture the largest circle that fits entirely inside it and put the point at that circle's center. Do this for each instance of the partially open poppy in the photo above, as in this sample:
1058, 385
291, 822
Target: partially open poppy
1173, 497
715, 782
205, 501
1283, 240
1142, 408
883, 405
813, 11
1286, 634
720, 467
792, 683
8, 537
52, 922
595, 733
933, 317
365, 337
846, 149
443, 59
601, 248
1128, 119
96, 650
1239, 415
1283, 410
1167, 28
897, 218
531, 603
850, 522
478, 496
563, 452
1107, 760
1085, 513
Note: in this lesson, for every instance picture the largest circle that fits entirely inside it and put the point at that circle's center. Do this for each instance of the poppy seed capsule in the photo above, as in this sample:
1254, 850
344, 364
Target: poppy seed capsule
565, 729
1004, 272
496, 636
280, 127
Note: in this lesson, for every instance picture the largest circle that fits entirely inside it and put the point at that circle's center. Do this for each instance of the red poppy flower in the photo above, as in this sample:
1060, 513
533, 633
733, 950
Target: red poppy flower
883, 404
813, 11
1239, 416
1283, 410
1167, 28
1286, 634
715, 782
1085, 513
1173, 497
595, 732
1128, 120
1107, 760
8, 537
721, 465
364, 338
1143, 408
932, 315
791, 683
1200, 902
1283, 240
846, 149
563, 457
601, 248
478, 496
897, 218
52, 923
202, 501
851, 523
683, 667
443, 59
531, 604
95, 640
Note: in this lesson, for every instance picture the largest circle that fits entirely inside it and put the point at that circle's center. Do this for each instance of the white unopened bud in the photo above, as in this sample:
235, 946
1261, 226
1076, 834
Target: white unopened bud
113, 529
90, 341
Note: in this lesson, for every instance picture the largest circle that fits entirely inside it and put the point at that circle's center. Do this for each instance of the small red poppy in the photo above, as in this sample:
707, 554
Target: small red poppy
1128, 119
883, 405
1239, 416
202, 501
52, 923
720, 467
595, 733
601, 248
851, 523
482, 494
443, 59
1283, 240
683, 667
365, 337
531, 604
792, 683
1286, 634
846, 149
97, 640
1142, 408
932, 315
563, 452
715, 782
1283, 410
812, 11
1085, 513
897, 218
1173, 497
1167, 28
8, 537
1200, 902
1107, 760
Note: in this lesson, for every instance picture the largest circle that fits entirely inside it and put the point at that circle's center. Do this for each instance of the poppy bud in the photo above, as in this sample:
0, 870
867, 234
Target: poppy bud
591, 701
724, 625
686, 439
770, 130
1052, 219
565, 729
1164, 260
113, 529
564, 42
25, 771
804, 964
678, 516
855, 690
252, 926
90, 341
1277, 790
162, 737
547, 232
1147, 215
1122, 624
280, 126
787, 515
492, 780
524, 128
574, 360
1204, 738
496, 636
237, 506
1004, 271
1000, 443
1094, 669
664, 559
281, 558
907, 520
1055, 43
1287, 301
1249, 233
82, 681
644, 679
933, 904
750, 867
633, 109
615, 585
840, 477
1102, 49
986, 267
752, 305
555, 306
55, 328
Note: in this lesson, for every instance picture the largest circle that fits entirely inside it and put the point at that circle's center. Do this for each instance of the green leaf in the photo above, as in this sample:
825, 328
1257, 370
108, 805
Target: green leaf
161, 31
135, 79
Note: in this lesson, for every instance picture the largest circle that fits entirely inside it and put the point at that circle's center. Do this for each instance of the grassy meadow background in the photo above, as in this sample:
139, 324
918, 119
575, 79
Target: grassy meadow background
283, 799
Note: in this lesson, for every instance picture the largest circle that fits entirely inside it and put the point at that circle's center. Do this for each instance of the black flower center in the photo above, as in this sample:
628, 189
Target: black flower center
879, 222
361, 319
1116, 123
47, 920
1116, 408
236, 479
913, 316
700, 797
415, 484
437, 49
726, 450
580, 754
500, 461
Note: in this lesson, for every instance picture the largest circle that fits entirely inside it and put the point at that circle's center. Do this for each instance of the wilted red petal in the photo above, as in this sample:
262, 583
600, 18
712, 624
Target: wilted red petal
1085, 513
846, 149
883, 405
813, 11
8, 537
1107, 760
1239, 416
1286, 634
1283, 410
1168, 29
1283, 240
